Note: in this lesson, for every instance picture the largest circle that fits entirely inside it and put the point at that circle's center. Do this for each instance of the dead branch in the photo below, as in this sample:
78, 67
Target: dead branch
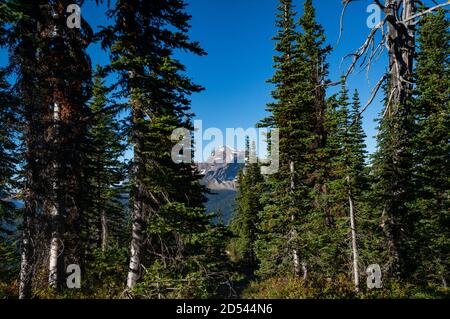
420, 14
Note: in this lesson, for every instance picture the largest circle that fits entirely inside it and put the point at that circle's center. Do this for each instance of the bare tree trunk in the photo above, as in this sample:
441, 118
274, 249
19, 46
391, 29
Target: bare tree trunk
138, 213
134, 272
26, 263
355, 256
295, 256
56, 214
104, 223
401, 50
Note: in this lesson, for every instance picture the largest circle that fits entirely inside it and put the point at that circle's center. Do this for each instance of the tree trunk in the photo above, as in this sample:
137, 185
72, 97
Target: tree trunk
26, 263
104, 222
138, 213
401, 50
354, 243
134, 272
295, 256
56, 214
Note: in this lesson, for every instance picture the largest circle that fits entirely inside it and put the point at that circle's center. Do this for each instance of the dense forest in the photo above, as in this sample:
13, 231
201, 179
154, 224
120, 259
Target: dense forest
137, 228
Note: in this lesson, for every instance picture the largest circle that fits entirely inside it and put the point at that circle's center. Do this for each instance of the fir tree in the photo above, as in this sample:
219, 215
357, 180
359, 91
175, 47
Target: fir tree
53, 105
431, 143
8, 162
23, 46
171, 235
392, 188
276, 247
356, 181
331, 204
314, 173
299, 114
245, 220
104, 173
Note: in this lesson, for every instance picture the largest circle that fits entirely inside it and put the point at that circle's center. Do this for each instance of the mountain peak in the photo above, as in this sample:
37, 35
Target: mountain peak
226, 155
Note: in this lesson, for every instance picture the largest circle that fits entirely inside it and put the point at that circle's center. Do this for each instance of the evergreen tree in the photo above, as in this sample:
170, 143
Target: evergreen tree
356, 153
19, 28
171, 235
299, 113
356, 183
432, 149
276, 247
104, 225
330, 215
53, 105
245, 220
104, 173
8, 162
392, 188
315, 171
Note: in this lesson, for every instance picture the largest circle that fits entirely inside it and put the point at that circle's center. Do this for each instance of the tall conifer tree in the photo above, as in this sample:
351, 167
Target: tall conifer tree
169, 242
104, 172
248, 206
432, 149
53, 100
8, 162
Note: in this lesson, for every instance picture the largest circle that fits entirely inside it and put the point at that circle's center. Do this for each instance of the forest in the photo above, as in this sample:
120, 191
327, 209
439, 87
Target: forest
93, 206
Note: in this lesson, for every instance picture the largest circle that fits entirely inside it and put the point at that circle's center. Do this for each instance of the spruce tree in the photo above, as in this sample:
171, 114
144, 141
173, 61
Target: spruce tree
392, 187
245, 220
276, 247
52, 100
8, 162
315, 171
299, 114
330, 216
19, 35
356, 182
431, 144
171, 234
104, 225
104, 172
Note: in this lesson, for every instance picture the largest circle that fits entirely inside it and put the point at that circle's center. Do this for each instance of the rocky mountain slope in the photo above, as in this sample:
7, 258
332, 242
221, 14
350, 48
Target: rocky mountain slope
219, 175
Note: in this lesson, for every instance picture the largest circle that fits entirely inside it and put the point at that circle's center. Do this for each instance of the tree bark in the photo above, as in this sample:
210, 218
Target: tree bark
26, 263
401, 50
56, 214
104, 223
138, 213
295, 255
355, 256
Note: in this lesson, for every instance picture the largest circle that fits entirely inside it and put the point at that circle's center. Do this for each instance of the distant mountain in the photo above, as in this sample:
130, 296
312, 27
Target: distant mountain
220, 175
221, 168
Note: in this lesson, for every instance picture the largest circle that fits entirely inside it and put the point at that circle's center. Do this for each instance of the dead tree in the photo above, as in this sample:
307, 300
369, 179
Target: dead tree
397, 30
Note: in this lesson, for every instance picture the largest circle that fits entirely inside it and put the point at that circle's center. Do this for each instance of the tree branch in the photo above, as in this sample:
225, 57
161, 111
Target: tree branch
418, 15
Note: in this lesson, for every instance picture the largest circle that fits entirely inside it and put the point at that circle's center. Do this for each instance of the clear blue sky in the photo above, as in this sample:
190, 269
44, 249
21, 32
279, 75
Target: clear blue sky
237, 34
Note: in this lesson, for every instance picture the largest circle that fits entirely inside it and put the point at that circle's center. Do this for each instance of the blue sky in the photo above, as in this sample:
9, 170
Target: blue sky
237, 34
